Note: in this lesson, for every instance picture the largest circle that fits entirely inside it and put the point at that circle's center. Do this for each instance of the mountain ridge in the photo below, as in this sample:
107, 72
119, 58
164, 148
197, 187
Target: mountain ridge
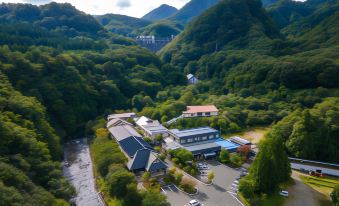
162, 12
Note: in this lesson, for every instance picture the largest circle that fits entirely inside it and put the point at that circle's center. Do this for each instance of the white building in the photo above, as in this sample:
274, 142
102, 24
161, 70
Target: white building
151, 127
192, 79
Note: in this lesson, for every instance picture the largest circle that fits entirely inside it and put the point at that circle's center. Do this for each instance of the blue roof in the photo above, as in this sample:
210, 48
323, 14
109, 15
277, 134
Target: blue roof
227, 144
193, 131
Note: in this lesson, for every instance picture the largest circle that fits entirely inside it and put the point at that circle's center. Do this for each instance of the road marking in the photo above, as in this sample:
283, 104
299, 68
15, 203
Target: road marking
163, 190
236, 198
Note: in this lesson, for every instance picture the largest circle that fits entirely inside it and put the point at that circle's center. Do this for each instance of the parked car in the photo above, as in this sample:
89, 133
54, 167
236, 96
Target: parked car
303, 170
317, 173
236, 182
194, 203
235, 185
283, 193
203, 167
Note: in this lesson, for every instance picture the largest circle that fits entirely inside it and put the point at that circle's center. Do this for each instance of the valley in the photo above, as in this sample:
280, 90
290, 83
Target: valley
265, 90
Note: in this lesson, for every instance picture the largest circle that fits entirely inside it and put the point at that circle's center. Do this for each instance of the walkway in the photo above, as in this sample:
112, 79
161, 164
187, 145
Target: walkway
301, 194
80, 173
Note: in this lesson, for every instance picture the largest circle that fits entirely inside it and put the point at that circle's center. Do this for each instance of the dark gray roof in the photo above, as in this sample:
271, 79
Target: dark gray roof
155, 163
192, 132
140, 160
200, 148
122, 132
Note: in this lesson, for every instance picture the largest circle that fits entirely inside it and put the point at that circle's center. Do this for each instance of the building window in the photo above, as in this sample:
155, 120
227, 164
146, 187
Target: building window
211, 137
190, 140
217, 135
199, 113
208, 113
183, 141
204, 138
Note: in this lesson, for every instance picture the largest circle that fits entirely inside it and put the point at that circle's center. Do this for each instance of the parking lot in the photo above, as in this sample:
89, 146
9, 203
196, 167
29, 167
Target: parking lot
216, 194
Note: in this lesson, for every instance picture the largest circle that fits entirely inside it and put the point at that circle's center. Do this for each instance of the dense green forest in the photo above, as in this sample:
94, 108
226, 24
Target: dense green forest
61, 68
257, 72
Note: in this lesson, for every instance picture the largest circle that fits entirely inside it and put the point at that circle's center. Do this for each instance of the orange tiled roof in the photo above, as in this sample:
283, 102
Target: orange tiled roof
195, 109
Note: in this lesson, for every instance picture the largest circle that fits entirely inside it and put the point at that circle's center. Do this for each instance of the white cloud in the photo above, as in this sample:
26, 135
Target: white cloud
123, 4
136, 8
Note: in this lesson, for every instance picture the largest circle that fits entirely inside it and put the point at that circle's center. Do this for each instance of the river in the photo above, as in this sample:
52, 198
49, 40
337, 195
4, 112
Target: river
79, 171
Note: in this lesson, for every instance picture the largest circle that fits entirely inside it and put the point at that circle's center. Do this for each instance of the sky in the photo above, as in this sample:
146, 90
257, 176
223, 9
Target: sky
136, 8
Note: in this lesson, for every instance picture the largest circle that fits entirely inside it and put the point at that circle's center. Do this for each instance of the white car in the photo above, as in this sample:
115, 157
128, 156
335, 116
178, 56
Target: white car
194, 203
236, 182
283, 193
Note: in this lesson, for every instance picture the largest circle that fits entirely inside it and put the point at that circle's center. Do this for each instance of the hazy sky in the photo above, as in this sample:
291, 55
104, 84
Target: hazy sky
136, 8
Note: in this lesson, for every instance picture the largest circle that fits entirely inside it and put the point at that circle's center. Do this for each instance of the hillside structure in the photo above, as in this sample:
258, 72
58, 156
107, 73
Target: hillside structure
201, 111
141, 156
192, 79
203, 142
151, 128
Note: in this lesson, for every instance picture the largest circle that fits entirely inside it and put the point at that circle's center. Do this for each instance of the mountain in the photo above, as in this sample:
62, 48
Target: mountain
318, 30
267, 3
162, 29
60, 70
232, 24
121, 24
286, 12
192, 9
160, 13
64, 18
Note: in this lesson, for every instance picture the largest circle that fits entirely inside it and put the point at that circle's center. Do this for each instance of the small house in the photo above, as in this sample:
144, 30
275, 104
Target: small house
192, 79
201, 111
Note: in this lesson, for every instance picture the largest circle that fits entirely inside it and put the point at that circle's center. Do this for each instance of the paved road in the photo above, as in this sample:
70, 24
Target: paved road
80, 173
213, 195
301, 194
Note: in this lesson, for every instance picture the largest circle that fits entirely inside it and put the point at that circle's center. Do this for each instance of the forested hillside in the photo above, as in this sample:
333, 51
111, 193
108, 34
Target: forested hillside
258, 73
59, 68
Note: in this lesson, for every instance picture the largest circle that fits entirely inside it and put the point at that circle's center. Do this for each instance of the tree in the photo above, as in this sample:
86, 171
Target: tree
183, 155
335, 195
154, 198
210, 176
158, 137
235, 159
271, 166
247, 187
244, 150
224, 156
146, 176
118, 181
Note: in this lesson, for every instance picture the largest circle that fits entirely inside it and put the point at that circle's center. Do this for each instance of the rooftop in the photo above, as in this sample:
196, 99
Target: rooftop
240, 140
189, 76
123, 132
196, 109
122, 115
194, 131
200, 147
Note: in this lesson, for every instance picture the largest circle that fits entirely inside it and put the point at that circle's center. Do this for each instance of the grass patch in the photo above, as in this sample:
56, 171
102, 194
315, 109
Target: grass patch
254, 134
323, 185
243, 199
270, 200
